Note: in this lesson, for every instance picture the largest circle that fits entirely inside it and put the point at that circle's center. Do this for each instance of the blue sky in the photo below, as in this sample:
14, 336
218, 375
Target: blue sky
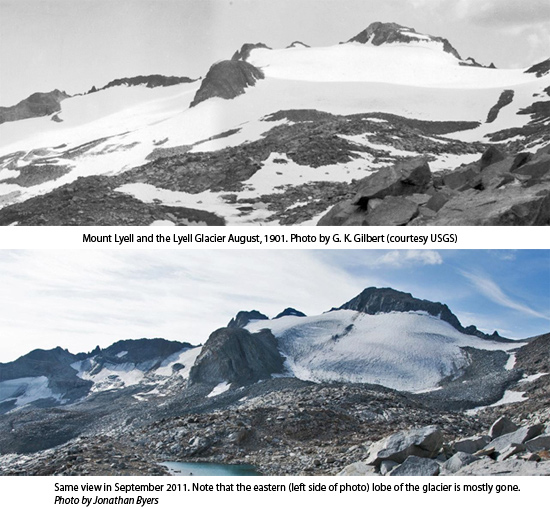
74, 44
80, 299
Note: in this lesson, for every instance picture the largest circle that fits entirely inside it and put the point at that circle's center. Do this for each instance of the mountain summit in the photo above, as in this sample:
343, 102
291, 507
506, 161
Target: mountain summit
379, 33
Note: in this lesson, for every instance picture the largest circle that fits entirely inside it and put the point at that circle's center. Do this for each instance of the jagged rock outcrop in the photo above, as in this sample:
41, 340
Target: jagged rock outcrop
243, 318
385, 300
150, 81
245, 50
498, 190
39, 104
541, 69
378, 33
289, 312
506, 98
235, 355
227, 79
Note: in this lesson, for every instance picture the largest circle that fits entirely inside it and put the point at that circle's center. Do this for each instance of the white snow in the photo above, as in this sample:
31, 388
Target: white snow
404, 351
26, 390
416, 80
531, 378
219, 389
510, 363
126, 374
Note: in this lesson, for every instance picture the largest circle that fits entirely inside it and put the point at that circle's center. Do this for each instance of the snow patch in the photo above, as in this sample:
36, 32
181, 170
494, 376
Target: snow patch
219, 389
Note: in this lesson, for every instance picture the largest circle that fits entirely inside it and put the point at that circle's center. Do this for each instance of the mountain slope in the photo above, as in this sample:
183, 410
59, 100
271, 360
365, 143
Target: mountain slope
275, 136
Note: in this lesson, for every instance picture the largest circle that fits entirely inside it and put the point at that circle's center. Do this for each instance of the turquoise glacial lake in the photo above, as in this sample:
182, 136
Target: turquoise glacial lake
179, 468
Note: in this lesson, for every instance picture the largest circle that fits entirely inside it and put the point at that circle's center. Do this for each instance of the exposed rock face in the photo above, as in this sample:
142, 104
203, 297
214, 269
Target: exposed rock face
378, 33
150, 81
38, 104
289, 312
497, 190
505, 98
245, 50
237, 356
385, 300
541, 69
227, 79
244, 317
403, 179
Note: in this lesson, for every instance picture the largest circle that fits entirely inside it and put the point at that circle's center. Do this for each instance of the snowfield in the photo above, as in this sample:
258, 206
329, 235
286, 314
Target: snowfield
114, 130
403, 351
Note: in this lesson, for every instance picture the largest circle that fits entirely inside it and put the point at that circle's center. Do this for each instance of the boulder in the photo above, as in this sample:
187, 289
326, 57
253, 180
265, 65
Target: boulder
393, 211
506, 206
501, 426
403, 179
343, 213
357, 468
423, 442
414, 465
491, 156
471, 444
387, 466
512, 466
520, 436
466, 177
510, 451
540, 443
458, 461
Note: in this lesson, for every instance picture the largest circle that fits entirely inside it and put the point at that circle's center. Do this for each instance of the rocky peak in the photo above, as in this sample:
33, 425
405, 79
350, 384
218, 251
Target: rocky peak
237, 356
245, 50
379, 33
39, 104
289, 312
244, 317
227, 79
541, 69
385, 300
150, 81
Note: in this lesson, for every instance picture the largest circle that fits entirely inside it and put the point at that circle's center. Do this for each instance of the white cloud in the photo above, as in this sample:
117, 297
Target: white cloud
403, 258
80, 299
493, 292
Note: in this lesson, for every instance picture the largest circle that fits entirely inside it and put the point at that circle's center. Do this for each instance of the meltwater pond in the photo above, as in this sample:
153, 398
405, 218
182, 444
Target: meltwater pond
179, 468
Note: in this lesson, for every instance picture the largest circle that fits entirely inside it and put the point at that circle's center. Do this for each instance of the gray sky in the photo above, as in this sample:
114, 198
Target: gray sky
78, 300
74, 44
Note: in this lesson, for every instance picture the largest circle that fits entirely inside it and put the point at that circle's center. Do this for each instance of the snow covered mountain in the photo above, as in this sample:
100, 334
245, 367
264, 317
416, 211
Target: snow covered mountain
57, 377
382, 361
272, 136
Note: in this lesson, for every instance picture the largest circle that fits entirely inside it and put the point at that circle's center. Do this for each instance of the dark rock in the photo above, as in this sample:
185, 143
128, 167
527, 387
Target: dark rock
385, 300
245, 50
502, 426
243, 318
403, 179
289, 312
467, 177
150, 81
393, 211
438, 199
227, 79
378, 33
540, 443
237, 356
491, 156
541, 69
38, 104
506, 97
414, 465
344, 213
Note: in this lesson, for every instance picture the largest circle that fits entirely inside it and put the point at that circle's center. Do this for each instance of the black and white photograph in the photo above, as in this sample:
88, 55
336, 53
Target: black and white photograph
277, 363
287, 112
